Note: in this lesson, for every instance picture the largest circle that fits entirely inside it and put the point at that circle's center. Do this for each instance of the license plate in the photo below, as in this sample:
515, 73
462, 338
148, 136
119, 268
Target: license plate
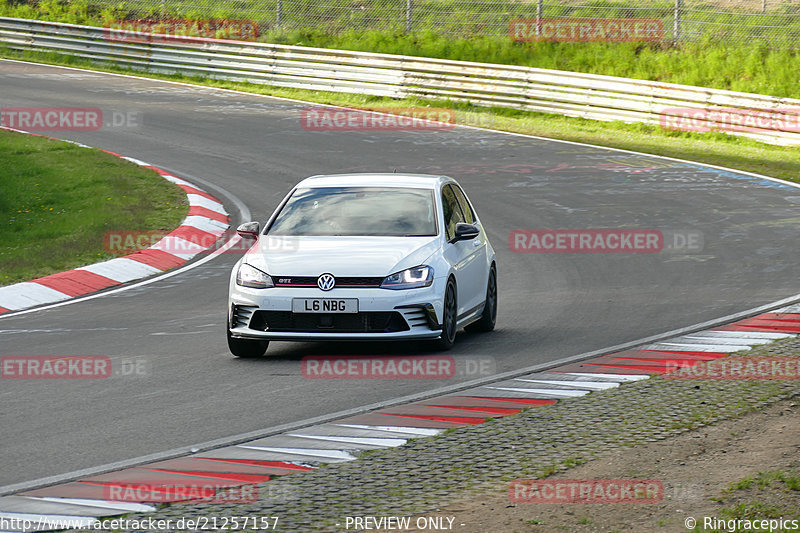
325, 305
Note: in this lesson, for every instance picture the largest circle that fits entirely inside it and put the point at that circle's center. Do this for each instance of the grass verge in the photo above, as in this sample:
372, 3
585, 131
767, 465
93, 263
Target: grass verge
710, 148
57, 201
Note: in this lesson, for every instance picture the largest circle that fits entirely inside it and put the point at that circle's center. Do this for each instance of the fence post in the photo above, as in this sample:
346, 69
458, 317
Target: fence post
539, 10
676, 30
409, 15
279, 14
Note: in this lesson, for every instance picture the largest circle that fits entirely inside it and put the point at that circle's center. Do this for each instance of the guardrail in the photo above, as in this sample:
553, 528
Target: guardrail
764, 118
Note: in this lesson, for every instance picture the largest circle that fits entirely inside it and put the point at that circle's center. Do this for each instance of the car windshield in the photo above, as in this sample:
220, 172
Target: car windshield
369, 211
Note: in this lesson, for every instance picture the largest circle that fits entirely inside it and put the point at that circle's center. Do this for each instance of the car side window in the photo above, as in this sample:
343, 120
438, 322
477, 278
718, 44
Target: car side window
469, 215
451, 211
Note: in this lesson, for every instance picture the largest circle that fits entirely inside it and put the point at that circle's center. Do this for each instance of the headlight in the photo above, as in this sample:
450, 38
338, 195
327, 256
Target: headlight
250, 276
411, 278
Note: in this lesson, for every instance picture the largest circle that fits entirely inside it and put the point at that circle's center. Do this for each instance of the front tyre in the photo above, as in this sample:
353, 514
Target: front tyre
489, 317
449, 318
246, 347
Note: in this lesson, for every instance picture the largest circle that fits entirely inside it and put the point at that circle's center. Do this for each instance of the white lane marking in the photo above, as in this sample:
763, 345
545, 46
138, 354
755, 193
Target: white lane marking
396, 429
104, 504
368, 441
311, 452
788, 309
621, 377
737, 341
592, 385
178, 246
50, 521
136, 161
202, 201
742, 334
535, 393
205, 224
28, 293
178, 181
665, 346
121, 269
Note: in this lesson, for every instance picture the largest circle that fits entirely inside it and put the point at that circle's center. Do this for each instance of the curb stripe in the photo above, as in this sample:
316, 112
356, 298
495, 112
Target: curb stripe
206, 221
75, 282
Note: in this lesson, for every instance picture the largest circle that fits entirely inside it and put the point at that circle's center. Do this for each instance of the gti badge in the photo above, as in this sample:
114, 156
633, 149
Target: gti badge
326, 282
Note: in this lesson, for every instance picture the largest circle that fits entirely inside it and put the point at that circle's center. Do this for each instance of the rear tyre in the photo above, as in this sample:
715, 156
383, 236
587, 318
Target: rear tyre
449, 318
248, 348
489, 317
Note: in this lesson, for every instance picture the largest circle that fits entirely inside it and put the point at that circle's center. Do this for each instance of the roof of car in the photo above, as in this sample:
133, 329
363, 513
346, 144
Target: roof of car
425, 181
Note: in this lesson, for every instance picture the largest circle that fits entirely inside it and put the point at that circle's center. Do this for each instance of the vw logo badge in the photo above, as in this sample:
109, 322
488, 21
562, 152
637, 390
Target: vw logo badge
326, 282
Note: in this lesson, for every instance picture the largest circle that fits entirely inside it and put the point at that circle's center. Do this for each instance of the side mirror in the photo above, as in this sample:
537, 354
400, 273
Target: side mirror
465, 232
249, 230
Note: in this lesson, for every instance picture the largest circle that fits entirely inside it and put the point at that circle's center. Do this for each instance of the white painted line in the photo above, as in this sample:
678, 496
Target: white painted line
368, 441
105, 504
27, 294
202, 201
178, 247
621, 377
396, 429
205, 224
592, 385
43, 522
789, 309
537, 393
770, 335
178, 181
665, 346
121, 269
690, 339
136, 161
312, 452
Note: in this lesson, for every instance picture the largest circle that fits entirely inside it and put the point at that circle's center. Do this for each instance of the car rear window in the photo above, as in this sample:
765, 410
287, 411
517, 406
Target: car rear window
367, 211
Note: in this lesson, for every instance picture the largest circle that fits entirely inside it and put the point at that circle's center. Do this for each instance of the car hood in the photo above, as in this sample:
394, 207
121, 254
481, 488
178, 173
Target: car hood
340, 256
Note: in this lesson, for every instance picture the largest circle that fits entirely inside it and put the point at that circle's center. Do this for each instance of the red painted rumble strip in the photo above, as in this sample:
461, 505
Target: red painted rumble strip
501, 411
527, 401
75, 282
192, 190
4, 310
451, 419
228, 476
194, 235
156, 258
200, 211
257, 462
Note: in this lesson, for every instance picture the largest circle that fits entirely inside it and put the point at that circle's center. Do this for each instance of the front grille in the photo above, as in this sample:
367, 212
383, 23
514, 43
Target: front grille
350, 282
363, 322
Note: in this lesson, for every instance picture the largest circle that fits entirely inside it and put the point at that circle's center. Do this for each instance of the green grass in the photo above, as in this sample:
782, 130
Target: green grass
57, 200
760, 64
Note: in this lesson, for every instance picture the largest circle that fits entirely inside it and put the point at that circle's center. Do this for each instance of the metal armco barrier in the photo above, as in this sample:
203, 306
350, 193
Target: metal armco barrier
764, 118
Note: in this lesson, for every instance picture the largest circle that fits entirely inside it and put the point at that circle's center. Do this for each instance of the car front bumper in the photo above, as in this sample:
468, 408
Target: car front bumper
382, 314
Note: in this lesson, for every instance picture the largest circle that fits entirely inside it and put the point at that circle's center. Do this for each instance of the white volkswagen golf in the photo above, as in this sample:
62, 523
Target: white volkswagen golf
364, 257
